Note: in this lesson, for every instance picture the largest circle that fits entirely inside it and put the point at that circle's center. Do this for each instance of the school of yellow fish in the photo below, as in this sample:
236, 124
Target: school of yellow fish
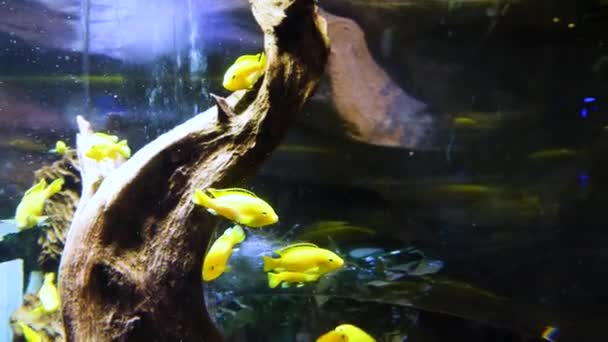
296, 264
50, 302
30, 214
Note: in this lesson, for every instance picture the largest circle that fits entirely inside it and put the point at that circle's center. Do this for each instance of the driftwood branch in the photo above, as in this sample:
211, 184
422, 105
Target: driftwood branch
386, 115
21, 245
131, 268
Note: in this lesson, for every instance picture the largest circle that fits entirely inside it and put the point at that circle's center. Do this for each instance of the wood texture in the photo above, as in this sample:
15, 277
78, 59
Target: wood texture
374, 109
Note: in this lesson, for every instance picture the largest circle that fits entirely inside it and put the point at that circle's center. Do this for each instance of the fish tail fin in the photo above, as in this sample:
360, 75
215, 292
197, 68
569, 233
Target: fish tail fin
41, 220
237, 234
54, 187
49, 277
124, 149
201, 198
273, 280
38, 311
263, 59
269, 263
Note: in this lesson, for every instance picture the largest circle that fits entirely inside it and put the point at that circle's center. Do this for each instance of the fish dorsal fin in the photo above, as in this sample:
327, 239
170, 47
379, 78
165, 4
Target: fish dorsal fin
295, 245
223, 192
111, 138
38, 187
247, 58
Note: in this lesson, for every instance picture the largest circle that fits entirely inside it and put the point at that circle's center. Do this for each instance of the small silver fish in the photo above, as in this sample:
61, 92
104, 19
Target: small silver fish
419, 267
359, 253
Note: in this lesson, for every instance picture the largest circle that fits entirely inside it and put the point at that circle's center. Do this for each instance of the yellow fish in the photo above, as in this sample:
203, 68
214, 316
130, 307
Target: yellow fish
245, 72
478, 120
29, 211
467, 190
93, 79
217, 258
26, 145
60, 147
346, 333
556, 153
238, 205
108, 146
464, 121
29, 334
332, 336
275, 279
48, 294
303, 257
323, 229
470, 189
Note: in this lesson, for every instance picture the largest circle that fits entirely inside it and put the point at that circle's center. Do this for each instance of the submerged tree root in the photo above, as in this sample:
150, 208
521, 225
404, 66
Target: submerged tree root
131, 268
60, 208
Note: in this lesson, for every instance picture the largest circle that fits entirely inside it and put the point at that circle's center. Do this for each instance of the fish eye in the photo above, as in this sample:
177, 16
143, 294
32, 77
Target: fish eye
264, 213
212, 268
233, 76
331, 260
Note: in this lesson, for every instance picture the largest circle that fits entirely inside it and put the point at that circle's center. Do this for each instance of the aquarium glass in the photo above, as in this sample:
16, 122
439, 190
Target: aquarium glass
452, 163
